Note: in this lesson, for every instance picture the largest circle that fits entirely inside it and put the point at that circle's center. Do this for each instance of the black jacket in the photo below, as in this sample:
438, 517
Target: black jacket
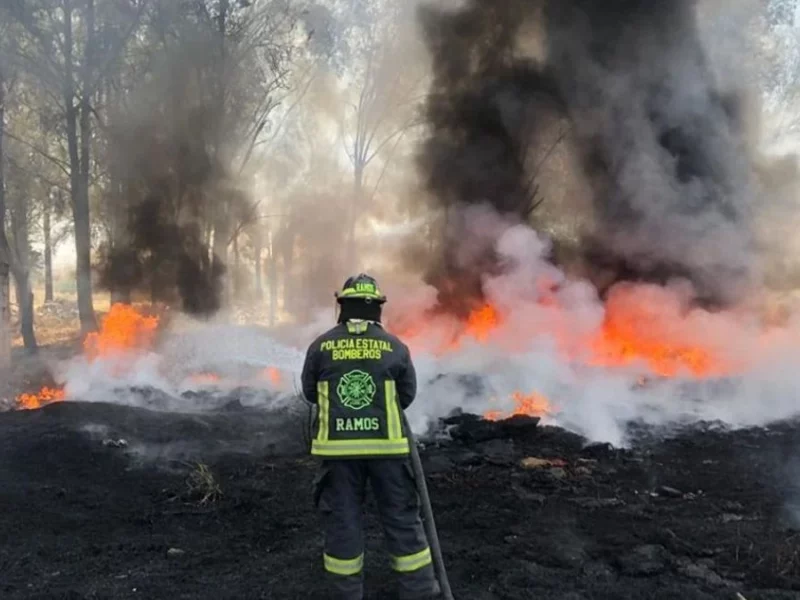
360, 376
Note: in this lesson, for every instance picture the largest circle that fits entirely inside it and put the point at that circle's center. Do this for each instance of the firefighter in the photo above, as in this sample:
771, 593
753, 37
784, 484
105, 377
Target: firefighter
361, 377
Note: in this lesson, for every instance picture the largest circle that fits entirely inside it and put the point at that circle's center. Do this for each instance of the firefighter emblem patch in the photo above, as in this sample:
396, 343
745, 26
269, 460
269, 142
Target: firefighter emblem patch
356, 389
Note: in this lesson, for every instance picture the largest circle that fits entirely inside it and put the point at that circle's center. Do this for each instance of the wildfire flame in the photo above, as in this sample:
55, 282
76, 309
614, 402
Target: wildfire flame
204, 378
44, 397
122, 329
532, 405
272, 375
482, 322
644, 327
637, 329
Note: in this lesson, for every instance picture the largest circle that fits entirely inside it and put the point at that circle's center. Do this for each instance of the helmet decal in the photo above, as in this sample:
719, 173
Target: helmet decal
363, 287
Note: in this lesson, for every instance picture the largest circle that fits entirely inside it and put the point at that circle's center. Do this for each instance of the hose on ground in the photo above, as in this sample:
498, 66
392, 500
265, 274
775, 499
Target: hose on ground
427, 512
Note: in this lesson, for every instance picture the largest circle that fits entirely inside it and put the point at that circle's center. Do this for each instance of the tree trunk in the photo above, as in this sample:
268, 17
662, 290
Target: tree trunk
220, 250
272, 275
119, 197
84, 249
257, 250
355, 207
287, 252
5, 312
5, 318
20, 268
48, 254
22, 285
79, 169
237, 288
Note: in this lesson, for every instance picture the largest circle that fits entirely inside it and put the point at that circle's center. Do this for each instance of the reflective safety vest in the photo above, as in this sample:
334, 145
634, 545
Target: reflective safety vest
357, 370
345, 432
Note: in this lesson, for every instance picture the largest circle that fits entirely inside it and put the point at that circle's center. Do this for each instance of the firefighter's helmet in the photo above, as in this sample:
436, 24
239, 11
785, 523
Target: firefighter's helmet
361, 287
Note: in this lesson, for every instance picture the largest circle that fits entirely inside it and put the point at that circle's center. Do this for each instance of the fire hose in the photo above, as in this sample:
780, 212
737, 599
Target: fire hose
427, 513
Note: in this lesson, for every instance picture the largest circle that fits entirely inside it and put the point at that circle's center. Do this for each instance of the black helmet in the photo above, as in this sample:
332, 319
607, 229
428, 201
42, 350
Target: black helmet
361, 287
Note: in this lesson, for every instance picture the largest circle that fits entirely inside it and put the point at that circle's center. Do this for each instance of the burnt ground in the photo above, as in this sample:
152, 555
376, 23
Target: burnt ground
103, 501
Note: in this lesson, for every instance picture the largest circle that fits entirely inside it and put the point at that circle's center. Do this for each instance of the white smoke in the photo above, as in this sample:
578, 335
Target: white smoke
214, 358
542, 346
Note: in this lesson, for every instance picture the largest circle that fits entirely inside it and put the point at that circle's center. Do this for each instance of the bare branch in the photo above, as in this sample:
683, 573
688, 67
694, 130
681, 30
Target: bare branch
410, 123
386, 164
37, 175
44, 154
121, 43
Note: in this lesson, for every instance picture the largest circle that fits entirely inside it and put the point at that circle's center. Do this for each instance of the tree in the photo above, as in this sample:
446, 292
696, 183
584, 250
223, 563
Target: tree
60, 48
190, 105
20, 207
379, 43
52, 209
5, 311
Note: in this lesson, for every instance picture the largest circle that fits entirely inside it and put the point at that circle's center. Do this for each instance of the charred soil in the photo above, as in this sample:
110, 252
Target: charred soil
112, 502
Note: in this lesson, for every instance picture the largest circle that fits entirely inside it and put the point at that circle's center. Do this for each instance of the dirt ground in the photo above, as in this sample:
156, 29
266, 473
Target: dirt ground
103, 501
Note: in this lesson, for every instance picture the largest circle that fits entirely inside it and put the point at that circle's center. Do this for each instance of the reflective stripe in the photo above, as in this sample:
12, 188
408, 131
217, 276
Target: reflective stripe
372, 447
394, 430
395, 444
324, 403
340, 566
366, 293
412, 562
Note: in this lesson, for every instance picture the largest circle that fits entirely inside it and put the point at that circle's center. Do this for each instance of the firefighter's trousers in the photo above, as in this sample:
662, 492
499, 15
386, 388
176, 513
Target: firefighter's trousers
339, 494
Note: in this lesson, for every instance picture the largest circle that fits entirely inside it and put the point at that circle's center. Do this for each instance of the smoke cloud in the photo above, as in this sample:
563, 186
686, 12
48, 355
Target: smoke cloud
662, 145
544, 342
181, 148
173, 182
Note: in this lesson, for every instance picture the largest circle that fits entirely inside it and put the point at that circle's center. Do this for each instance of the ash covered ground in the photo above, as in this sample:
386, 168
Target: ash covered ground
108, 501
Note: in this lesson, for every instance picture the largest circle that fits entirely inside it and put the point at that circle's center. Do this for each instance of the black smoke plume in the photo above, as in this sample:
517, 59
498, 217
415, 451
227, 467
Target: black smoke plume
172, 187
660, 143
169, 189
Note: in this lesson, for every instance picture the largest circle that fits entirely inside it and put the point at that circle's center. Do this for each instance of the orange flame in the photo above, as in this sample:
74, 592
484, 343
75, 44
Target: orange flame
271, 374
482, 321
122, 329
638, 328
644, 325
530, 405
45, 396
204, 378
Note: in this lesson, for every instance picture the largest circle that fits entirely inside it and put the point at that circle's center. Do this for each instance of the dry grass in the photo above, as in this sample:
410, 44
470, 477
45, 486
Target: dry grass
54, 327
202, 486
787, 557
